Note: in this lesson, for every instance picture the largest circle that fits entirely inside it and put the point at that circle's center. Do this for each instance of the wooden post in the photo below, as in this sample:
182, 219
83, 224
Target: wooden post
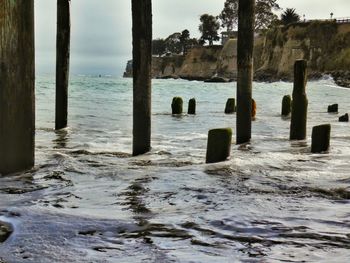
230, 107
300, 102
344, 118
177, 105
17, 101
321, 135
142, 57
332, 108
245, 70
191, 106
62, 62
286, 105
218, 145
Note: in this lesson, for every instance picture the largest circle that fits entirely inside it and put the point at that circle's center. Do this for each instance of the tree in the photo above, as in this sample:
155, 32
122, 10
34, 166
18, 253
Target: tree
209, 28
192, 42
158, 47
289, 16
229, 15
173, 43
264, 15
184, 38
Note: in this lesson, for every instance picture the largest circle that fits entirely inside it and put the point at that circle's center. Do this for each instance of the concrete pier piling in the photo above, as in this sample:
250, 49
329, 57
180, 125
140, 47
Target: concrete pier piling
62, 63
320, 138
177, 105
245, 46
286, 105
191, 106
219, 145
300, 102
230, 106
142, 58
17, 101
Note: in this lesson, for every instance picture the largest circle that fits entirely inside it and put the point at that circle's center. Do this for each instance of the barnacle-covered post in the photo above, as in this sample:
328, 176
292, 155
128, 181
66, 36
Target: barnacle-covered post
17, 101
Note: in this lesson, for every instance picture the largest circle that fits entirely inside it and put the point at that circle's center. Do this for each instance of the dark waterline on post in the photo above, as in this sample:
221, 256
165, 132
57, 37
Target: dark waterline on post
245, 47
17, 101
62, 63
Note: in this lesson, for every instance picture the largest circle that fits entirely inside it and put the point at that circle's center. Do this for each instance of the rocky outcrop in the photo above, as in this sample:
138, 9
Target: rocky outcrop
341, 77
5, 231
162, 67
227, 62
200, 63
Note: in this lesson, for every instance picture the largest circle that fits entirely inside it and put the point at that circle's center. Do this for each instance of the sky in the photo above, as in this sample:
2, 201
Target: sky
101, 29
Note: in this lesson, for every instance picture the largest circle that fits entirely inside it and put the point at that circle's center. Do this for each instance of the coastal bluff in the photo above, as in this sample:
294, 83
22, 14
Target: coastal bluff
324, 44
200, 63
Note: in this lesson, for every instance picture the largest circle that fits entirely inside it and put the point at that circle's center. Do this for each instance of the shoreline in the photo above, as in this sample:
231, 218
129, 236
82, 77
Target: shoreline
340, 77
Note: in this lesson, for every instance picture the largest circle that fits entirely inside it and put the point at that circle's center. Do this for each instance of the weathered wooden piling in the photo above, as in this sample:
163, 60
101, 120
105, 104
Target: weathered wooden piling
191, 106
344, 118
17, 101
300, 102
177, 105
286, 105
62, 63
320, 138
219, 145
332, 108
230, 106
142, 90
245, 46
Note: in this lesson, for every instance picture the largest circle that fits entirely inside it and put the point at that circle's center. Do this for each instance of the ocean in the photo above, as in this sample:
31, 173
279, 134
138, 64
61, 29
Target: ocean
88, 200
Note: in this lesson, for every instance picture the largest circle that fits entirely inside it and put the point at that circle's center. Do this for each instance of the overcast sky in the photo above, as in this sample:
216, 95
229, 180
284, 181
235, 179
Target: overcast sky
101, 29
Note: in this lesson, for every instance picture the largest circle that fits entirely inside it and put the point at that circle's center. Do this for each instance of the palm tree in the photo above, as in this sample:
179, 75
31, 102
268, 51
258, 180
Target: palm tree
289, 16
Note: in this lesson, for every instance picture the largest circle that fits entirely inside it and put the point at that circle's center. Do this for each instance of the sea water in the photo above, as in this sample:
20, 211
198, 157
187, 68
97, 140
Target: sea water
88, 200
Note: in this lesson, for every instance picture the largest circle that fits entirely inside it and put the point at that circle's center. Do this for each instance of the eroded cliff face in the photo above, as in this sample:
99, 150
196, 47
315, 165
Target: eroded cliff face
200, 63
227, 62
325, 45
167, 67
162, 67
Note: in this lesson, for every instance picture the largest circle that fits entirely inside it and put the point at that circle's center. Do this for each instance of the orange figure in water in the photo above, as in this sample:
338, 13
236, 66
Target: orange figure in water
253, 109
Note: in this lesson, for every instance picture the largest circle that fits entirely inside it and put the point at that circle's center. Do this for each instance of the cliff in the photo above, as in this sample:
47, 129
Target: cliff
200, 63
162, 67
325, 45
